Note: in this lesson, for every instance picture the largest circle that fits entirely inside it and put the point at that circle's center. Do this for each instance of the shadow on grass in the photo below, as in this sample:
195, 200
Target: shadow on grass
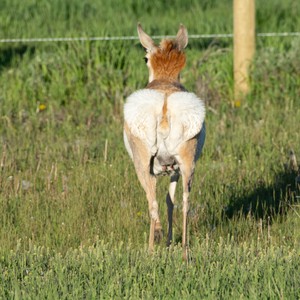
267, 201
9, 54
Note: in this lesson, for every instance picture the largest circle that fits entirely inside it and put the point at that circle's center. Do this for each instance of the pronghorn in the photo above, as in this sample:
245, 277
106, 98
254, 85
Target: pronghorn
164, 130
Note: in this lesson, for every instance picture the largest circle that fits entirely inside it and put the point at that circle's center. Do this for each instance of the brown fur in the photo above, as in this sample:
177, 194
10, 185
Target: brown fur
166, 86
167, 61
164, 120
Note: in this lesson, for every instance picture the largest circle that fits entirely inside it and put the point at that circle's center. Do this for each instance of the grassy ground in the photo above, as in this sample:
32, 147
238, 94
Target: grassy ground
74, 219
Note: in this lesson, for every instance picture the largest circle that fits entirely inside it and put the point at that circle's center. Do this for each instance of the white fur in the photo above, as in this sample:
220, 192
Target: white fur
187, 113
143, 112
140, 112
189, 110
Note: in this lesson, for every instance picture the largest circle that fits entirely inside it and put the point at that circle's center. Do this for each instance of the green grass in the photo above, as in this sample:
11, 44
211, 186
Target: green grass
74, 220
218, 270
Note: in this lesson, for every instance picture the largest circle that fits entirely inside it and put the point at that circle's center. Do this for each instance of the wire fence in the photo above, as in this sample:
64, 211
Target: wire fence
124, 38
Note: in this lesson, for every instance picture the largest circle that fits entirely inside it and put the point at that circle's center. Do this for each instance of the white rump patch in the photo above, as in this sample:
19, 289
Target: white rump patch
188, 111
143, 112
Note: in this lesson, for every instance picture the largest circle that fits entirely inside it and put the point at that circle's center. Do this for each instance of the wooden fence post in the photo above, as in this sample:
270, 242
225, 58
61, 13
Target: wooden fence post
244, 45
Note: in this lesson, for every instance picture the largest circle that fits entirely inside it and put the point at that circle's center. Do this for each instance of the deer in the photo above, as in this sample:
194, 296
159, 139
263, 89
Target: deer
164, 130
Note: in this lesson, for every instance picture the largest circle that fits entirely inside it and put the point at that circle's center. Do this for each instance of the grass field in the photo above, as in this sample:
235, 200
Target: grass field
73, 218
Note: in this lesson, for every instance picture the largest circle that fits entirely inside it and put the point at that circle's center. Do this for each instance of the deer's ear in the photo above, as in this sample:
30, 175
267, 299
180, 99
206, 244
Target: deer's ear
145, 39
182, 37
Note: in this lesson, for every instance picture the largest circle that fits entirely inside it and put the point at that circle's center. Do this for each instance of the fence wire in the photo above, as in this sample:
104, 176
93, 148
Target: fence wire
124, 38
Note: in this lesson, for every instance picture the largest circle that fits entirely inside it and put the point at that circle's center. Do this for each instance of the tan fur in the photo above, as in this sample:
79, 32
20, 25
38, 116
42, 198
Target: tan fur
167, 61
164, 123
187, 152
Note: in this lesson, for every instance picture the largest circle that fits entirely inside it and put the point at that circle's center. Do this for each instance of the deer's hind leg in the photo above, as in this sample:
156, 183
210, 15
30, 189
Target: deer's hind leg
187, 166
141, 159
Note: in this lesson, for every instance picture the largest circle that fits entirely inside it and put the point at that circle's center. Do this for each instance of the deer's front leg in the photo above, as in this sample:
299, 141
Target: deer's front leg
170, 203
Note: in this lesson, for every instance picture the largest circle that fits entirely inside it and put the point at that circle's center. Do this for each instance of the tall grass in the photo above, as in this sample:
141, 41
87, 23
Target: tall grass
74, 219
